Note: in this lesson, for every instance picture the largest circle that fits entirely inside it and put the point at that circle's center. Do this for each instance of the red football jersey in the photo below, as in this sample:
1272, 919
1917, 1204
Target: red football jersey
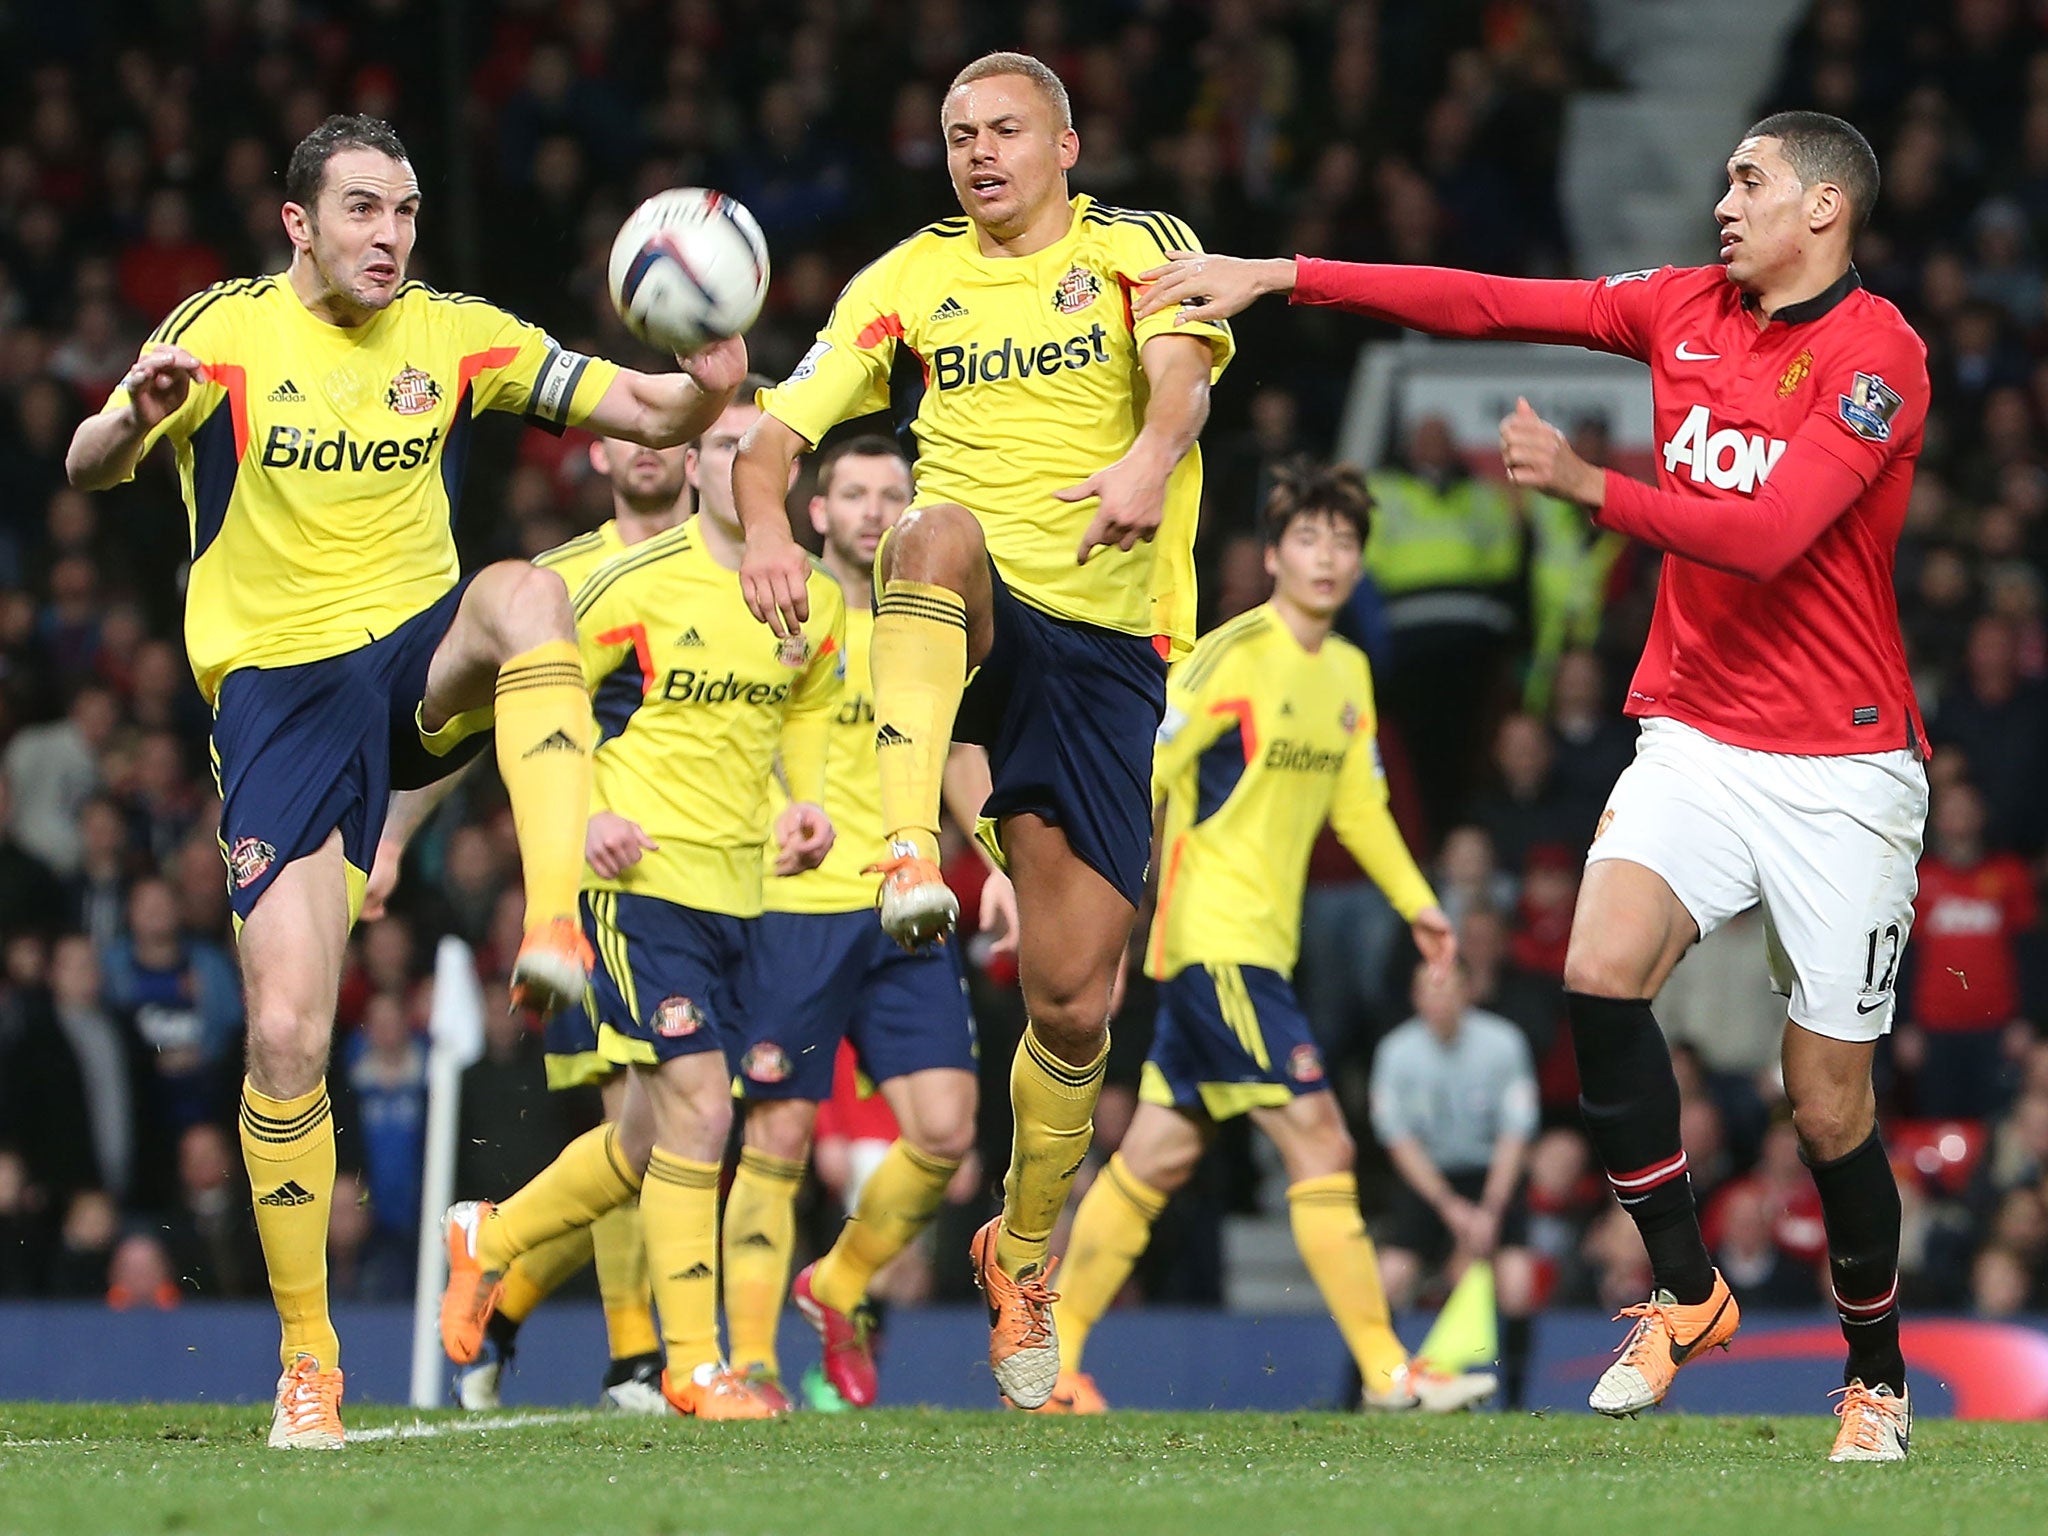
1964, 923
1786, 459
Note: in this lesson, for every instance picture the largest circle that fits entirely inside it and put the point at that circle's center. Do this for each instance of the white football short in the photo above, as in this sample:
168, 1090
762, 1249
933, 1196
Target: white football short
1827, 846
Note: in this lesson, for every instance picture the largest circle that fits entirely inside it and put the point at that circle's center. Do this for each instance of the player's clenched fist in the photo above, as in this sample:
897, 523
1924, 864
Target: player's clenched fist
1537, 456
612, 844
774, 576
159, 381
803, 836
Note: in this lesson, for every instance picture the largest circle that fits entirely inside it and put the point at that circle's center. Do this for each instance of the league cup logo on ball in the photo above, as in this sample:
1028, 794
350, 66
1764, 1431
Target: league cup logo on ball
412, 393
766, 1063
1077, 290
677, 1017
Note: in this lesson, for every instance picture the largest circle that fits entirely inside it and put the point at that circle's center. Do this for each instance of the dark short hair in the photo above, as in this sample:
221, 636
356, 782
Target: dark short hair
1823, 148
1308, 489
307, 170
868, 445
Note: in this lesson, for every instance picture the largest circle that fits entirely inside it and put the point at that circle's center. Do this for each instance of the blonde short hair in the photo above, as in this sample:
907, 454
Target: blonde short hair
1037, 71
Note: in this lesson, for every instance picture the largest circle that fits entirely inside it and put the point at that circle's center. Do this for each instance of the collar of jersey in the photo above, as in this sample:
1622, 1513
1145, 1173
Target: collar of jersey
1059, 249
1819, 304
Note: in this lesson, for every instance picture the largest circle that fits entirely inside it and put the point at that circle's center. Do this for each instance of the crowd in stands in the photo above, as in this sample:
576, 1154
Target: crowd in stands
141, 161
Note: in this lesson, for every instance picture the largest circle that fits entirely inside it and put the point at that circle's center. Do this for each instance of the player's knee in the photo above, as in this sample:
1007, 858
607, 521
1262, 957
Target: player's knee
287, 1051
1602, 972
781, 1128
940, 544
538, 598
1831, 1121
945, 1135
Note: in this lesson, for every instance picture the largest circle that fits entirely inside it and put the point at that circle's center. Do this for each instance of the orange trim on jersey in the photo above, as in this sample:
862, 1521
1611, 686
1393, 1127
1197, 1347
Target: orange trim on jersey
1123, 287
1163, 646
233, 378
637, 635
877, 329
1241, 711
1156, 955
476, 362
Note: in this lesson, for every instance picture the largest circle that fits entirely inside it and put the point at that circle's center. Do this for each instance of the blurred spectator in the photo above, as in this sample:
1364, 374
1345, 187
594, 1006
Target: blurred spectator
85, 1246
1965, 1000
187, 1003
1469, 876
30, 896
1751, 1260
104, 1046
1591, 742
387, 1069
51, 769
97, 893
1570, 561
1998, 719
140, 1275
210, 1233
1526, 806
509, 1130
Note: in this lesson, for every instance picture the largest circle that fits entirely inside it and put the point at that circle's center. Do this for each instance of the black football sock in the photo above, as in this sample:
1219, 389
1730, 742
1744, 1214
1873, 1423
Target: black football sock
1514, 1359
1629, 1096
503, 1332
1859, 1202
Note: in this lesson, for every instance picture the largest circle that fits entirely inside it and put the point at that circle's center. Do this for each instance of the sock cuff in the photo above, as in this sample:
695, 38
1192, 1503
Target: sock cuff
921, 600
618, 1163
1327, 1189
1593, 1016
1061, 1079
272, 1122
1873, 1143
924, 1162
1148, 1200
765, 1165
665, 1168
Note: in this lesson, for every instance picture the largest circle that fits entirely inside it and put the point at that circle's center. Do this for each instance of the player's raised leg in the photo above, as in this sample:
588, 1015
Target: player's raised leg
933, 620
291, 946
1628, 932
1073, 926
1835, 1111
512, 650
934, 1110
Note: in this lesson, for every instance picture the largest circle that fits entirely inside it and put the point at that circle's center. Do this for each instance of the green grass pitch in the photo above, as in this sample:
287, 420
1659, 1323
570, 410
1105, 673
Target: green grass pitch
76, 1470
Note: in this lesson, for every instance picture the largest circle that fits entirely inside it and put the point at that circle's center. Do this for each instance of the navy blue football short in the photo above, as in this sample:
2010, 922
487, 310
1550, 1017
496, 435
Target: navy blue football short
663, 982
1069, 713
303, 750
569, 1047
1230, 1038
813, 979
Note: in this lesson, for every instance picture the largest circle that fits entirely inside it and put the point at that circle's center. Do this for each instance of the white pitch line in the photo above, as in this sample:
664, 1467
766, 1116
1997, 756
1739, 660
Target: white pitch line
420, 1429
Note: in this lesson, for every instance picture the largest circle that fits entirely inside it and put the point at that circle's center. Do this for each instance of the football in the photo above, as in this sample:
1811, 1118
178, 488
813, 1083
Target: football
688, 267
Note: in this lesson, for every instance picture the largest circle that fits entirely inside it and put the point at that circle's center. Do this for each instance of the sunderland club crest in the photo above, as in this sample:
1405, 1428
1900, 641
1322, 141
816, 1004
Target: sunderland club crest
1077, 290
413, 392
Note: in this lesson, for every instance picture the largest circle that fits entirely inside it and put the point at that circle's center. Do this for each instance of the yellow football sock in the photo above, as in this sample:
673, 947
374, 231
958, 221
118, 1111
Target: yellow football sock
1054, 1108
537, 1273
918, 660
760, 1236
588, 1178
896, 1203
679, 1210
544, 736
1330, 1233
288, 1147
622, 1282
1111, 1230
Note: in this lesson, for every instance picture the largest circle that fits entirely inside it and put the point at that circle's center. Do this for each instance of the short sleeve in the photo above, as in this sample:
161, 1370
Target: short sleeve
201, 328
1145, 243
515, 367
846, 371
1189, 724
1869, 398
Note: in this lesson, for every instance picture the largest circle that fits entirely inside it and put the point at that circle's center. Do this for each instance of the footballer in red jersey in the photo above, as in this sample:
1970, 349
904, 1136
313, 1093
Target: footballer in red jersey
1780, 758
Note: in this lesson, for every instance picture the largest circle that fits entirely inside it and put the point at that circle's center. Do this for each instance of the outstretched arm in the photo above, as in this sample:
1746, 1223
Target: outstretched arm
105, 448
774, 573
1440, 300
660, 410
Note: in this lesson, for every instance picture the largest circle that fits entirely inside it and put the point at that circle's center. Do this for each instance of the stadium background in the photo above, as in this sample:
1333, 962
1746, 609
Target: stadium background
140, 152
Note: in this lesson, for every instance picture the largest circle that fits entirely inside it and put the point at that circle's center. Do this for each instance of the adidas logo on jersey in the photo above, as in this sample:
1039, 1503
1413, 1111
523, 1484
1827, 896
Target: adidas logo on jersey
690, 637
287, 393
889, 736
951, 309
554, 741
290, 1193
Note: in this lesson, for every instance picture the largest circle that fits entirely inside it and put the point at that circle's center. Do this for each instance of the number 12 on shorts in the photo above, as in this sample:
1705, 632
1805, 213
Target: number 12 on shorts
1893, 941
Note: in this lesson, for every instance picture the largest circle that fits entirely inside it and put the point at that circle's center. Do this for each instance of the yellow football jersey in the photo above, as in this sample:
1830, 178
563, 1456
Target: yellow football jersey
576, 560
1262, 743
321, 464
692, 695
1017, 377
853, 798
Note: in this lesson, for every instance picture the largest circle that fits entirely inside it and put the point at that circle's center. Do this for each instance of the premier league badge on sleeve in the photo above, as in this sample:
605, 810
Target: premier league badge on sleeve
1868, 408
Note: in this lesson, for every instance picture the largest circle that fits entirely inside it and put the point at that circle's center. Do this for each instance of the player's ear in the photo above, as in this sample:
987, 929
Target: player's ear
298, 225
818, 515
600, 461
691, 457
1271, 558
1825, 207
1070, 148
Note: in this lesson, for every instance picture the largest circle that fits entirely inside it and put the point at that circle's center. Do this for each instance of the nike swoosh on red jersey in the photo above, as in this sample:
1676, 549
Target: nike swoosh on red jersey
1694, 357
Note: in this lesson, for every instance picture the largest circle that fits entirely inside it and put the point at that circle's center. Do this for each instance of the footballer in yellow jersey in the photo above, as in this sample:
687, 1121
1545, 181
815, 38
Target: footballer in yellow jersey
1269, 731
695, 701
820, 971
320, 418
1049, 553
